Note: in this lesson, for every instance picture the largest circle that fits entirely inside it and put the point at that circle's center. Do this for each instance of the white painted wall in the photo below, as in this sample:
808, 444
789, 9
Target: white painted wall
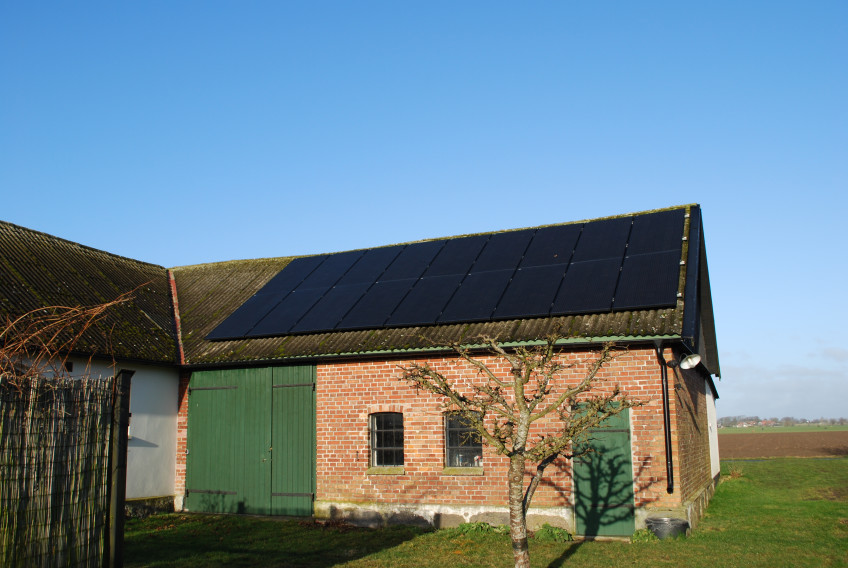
715, 466
152, 448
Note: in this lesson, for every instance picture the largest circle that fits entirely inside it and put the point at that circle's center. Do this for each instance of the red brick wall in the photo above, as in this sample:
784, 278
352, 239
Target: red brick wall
348, 392
690, 403
182, 423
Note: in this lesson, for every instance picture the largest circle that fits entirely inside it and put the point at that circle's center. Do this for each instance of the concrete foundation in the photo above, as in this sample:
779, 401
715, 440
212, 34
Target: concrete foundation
141, 508
437, 516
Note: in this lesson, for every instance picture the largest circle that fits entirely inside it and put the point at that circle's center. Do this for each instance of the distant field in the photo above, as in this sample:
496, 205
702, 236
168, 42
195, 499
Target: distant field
779, 429
806, 444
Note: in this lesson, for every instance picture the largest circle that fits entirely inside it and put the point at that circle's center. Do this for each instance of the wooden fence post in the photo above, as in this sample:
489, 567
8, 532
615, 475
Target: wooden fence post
118, 467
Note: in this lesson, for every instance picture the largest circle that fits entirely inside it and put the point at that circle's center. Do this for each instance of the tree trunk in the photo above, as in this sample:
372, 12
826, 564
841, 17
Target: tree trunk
517, 515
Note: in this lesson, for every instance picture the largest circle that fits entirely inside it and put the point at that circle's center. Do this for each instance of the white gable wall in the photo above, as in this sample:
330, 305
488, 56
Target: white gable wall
715, 466
152, 448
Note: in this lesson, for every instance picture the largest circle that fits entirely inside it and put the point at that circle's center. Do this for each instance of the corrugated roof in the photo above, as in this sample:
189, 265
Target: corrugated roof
208, 294
39, 270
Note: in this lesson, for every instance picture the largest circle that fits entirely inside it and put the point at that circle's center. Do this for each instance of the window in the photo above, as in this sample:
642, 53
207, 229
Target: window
387, 439
463, 446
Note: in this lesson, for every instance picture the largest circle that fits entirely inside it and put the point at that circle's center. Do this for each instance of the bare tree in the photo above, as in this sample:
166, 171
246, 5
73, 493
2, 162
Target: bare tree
507, 411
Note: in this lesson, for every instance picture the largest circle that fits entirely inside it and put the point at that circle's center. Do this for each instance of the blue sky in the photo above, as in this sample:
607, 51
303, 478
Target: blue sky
190, 132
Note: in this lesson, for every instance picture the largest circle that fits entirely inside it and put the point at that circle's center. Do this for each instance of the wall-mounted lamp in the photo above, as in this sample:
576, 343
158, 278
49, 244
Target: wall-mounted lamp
688, 362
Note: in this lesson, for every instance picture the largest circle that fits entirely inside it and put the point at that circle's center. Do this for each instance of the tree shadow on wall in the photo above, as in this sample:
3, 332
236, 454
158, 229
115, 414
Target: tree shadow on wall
604, 503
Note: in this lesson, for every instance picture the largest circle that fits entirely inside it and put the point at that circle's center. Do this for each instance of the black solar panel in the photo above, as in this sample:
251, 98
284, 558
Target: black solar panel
457, 256
597, 266
294, 273
656, 232
331, 270
327, 312
370, 266
531, 292
603, 239
242, 321
377, 304
648, 280
426, 300
503, 251
282, 318
588, 287
552, 245
476, 298
413, 260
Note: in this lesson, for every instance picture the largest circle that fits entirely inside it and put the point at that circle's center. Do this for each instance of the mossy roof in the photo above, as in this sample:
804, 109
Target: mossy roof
38, 270
208, 293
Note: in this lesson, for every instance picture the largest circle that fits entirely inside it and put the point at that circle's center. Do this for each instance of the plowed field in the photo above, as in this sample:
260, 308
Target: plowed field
783, 444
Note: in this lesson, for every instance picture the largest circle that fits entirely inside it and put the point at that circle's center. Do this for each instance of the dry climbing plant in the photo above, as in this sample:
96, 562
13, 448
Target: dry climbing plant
39, 342
54, 439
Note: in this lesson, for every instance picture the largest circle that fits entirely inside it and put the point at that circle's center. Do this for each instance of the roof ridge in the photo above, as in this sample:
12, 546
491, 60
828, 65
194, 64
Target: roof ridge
237, 261
76, 244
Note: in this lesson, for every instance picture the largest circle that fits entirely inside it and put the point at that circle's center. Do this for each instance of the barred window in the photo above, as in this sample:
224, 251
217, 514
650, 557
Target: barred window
387, 439
463, 445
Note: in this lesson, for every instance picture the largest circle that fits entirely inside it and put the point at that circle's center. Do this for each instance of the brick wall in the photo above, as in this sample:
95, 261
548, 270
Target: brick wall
693, 463
182, 423
349, 392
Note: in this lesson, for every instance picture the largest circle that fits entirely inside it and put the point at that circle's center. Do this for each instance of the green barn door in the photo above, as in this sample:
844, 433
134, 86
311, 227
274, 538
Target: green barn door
228, 466
251, 441
603, 482
293, 436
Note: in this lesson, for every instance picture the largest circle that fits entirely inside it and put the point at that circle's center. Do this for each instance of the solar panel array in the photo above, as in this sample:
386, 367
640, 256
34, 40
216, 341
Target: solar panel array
599, 266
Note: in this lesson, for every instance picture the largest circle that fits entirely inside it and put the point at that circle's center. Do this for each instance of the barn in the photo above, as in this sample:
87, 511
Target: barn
271, 386
290, 401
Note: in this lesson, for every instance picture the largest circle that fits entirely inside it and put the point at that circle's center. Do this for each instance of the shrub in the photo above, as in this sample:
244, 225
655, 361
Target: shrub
467, 529
552, 534
643, 535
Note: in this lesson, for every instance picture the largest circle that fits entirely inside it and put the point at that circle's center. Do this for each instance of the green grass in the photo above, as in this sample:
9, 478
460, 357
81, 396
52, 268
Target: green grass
774, 513
779, 429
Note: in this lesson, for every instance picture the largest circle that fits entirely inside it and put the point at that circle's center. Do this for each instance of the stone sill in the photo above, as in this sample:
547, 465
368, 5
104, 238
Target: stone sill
462, 471
383, 470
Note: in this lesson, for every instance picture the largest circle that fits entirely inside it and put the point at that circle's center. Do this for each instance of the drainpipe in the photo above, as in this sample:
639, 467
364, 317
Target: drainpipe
669, 463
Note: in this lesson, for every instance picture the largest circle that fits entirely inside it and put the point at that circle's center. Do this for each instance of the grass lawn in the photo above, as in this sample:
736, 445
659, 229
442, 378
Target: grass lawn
777, 512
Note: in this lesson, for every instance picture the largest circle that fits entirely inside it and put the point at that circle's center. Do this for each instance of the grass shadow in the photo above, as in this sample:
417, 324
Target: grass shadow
566, 554
237, 540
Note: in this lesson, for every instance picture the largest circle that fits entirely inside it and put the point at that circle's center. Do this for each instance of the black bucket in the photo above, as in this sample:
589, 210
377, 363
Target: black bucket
667, 527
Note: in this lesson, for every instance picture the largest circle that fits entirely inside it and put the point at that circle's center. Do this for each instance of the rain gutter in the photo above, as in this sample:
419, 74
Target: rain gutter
391, 353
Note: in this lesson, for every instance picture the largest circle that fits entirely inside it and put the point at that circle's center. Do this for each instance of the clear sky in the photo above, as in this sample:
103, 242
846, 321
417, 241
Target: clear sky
189, 132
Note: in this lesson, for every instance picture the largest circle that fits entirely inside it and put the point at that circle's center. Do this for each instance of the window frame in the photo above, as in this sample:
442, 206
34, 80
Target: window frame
377, 452
477, 461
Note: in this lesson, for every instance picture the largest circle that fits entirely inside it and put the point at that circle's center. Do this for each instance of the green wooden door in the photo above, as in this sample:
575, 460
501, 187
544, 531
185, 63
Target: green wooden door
235, 418
603, 482
293, 435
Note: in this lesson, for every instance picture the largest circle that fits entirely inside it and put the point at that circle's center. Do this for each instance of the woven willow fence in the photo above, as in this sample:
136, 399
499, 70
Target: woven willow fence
55, 471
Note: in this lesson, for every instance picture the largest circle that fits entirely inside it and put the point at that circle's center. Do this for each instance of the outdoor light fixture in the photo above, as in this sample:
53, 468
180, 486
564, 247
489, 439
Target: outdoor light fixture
688, 362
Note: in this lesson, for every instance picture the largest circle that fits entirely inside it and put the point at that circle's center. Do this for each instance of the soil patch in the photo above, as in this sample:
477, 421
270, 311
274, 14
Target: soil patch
783, 444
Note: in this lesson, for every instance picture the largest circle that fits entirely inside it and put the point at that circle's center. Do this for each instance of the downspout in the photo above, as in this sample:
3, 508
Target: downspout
669, 463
